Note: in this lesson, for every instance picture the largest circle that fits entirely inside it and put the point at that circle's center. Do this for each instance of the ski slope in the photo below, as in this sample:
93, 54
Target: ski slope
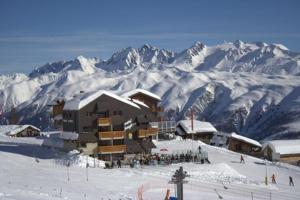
32, 172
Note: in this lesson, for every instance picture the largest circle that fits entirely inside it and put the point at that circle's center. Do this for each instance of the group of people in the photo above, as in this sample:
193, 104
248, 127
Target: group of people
163, 159
273, 177
112, 164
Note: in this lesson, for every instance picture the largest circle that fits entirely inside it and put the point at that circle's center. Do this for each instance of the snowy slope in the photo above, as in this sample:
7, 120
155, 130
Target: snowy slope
248, 88
33, 172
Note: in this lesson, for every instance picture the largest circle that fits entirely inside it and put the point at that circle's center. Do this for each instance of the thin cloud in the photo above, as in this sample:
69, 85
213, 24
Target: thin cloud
91, 37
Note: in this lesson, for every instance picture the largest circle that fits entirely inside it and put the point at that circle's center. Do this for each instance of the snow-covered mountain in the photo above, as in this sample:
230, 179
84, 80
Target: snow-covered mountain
249, 88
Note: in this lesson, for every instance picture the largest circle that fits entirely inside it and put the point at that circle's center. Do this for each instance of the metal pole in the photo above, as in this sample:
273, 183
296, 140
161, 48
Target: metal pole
68, 165
266, 177
86, 171
192, 117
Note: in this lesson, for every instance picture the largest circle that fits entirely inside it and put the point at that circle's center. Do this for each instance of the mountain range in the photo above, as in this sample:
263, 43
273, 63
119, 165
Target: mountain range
249, 88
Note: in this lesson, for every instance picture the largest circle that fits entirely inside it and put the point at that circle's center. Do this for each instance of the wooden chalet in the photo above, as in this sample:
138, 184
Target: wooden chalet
283, 150
19, 130
197, 130
244, 145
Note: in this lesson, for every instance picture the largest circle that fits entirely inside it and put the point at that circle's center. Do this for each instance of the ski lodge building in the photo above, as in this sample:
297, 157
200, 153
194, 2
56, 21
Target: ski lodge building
108, 126
203, 131
244, 145
57, 112
19, 130
283, 150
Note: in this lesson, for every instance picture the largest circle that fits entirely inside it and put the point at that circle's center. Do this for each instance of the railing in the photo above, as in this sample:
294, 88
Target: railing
112, 149
157, 109
111, 135
147, 132
104, 121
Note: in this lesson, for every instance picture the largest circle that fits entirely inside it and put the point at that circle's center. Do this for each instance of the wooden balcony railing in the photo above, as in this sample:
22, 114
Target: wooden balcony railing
157, 109
147, 132
104, 121
111, 135
112, 149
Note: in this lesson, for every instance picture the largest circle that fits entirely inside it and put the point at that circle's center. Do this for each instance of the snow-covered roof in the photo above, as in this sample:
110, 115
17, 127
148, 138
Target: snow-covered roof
136, 91
199, 126
80, 101
284, 146
68, 135
10, 130
245, 139
139, 103
58, 117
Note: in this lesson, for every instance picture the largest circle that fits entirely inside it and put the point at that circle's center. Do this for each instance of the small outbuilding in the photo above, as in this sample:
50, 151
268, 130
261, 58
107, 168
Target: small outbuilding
244, 145
203, 131
283, 150
19, 130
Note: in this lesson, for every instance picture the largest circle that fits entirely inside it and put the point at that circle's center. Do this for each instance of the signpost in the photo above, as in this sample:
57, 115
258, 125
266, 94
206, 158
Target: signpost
178, 179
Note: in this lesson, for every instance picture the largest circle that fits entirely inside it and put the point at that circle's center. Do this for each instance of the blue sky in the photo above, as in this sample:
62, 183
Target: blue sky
34, 32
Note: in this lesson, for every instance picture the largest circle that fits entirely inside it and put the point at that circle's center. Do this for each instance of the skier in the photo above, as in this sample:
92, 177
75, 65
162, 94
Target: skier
273, 179
242, 159
291, 181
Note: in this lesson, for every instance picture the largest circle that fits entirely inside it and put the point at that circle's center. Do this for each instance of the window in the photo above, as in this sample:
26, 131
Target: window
120, 112
89, 114
238, 147
83, 144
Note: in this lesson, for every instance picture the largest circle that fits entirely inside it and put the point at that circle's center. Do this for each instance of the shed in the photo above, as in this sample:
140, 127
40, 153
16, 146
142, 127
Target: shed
203, 131
242, 144
283, 150
19, 130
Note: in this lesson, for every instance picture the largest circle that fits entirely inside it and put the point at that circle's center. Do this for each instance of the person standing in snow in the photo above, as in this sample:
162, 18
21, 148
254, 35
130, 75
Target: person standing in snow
242, 159
119, 163
273, 179
291, 181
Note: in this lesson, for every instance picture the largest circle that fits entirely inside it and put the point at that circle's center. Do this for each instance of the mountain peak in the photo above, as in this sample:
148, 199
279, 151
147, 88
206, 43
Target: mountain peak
238, 43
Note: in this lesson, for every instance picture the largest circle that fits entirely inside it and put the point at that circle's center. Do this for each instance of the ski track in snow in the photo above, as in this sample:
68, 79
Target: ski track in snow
23, 178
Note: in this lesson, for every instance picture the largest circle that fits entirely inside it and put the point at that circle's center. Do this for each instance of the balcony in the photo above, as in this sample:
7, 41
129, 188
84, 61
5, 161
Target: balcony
111, 135
104, 121
158, 109
147, 132
112, 149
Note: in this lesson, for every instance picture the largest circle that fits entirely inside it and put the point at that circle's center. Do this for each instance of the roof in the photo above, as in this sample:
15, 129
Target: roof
145, 92
82, 100
199, 126
68, 135
284, 146
245, 139
139, 103
10, 130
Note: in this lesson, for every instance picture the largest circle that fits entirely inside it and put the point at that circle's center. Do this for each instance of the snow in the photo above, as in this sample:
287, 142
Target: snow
68, 135
11, 130
245, 139
198, 126
248, 88
58, 117
145, 92
33, 172
284, 146
139, 102
79, 102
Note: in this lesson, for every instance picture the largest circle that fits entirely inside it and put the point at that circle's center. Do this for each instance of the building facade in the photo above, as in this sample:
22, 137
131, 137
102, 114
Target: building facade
109, 126
244, 145
283, 150
197, 130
